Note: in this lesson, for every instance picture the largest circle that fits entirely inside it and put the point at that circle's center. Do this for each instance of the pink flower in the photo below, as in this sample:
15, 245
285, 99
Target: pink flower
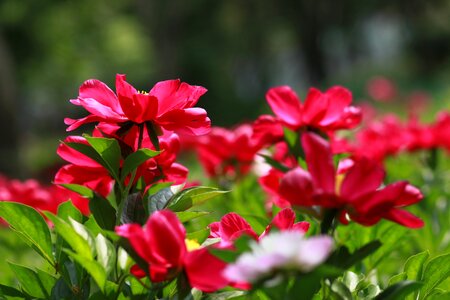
356, 194
162, 244
381, 89
327, 112
232, 226
169, 104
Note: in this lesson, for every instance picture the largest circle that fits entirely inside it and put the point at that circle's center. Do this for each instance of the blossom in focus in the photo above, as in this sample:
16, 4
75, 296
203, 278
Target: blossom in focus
356, 193
326, 112
169, 104
232, 226
285, 250
163, 245
225, 152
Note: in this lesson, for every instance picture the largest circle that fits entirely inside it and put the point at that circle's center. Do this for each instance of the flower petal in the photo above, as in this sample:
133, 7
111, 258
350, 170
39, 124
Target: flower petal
193, 121
404, 218
285, 105
297, 188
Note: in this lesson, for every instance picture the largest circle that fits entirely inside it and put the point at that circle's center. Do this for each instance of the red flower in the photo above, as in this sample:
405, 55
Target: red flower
355, 194
169, 104
327, 111
226, 152
162, 244
232, 226
82, 170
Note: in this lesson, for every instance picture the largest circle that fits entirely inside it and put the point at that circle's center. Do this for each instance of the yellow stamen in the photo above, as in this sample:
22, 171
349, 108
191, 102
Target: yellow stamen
143, 92
191, 245
339, 180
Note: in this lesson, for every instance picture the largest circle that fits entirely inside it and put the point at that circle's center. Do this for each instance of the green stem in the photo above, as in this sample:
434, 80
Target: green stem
328, 223
151, 130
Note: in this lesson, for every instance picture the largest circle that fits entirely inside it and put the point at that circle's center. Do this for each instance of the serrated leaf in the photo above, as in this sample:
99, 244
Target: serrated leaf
109, 151
30, 225
436, 271
185, 216
135, 159
94, 268
193, 196
72, 238
399, 290
106, 253
104, 214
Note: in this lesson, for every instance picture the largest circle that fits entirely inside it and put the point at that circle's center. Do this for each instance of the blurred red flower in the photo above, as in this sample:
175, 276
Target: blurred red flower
162, 244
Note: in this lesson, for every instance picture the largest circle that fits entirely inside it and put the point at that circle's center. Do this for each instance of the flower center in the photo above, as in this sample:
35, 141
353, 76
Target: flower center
142, 92
191, 245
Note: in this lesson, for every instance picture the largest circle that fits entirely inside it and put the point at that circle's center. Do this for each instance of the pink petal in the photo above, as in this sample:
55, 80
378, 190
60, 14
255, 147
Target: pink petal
193, 121
314, 251
363, 178
320, 162
102, 111
410, 195
173, 94
315, 107
101, 93
140, 107
338, 99
285, 105
73, 156
284, 219
301, 226
135, 234
297, 188
74, 124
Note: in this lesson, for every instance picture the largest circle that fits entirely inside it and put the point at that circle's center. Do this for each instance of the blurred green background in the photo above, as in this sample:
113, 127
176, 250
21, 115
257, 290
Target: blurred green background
235, 48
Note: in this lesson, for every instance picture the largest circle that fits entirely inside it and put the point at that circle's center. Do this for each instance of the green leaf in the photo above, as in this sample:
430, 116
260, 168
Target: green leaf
36, 284
104, 214
106, 253
193, 196
94, 268
414, 265
67, 210
84, 233
11, 292
436, 271
342, 290
109, 151
200, 236
274, 163
343, 259
30, 226
79, 189
159, 200
399, 290
72, 238
133, 210
135, 159
397, 278
185, 216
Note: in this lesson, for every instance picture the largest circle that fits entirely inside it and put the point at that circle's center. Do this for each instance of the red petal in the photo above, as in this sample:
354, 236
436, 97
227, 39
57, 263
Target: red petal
296, 187
233, 225
204, 271
301, 226
410, 195
193, 121
285, 105
404, 218
73, 156
320, 162
363, 178
137, 271
338, 99
315, 107
166, 236
284, 219
97, 90
135, 234
173, 94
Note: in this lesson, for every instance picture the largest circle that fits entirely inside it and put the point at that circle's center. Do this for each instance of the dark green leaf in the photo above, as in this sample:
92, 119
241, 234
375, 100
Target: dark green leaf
30, 226
399, 290
103, 212
94, 268
159, 200
274, 163
37, 284
135, 159
11, 292
343, 259
193, 196
133, 210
